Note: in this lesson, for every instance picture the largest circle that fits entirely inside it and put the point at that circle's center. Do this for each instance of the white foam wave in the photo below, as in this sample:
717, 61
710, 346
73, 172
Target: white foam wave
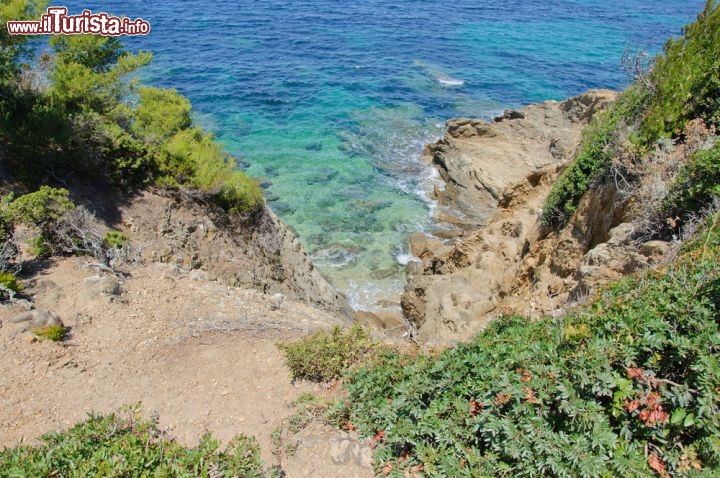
405, 259
447, 81
366, 296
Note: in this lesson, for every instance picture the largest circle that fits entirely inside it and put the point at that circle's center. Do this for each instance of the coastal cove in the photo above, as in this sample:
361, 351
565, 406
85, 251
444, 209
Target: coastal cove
410, 266
330, 104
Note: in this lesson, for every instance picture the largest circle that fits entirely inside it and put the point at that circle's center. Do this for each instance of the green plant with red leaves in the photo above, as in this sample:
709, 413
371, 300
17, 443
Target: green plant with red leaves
636, 394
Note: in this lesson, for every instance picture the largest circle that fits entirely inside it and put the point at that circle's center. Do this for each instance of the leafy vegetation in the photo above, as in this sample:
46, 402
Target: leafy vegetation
324, 356
686, 79
684, 84
43, 210
697, 184
8, 282
192, 159
115, 239
160, 115
75, 111
600, 143
629, 386
127, 445
54, 333
14, 48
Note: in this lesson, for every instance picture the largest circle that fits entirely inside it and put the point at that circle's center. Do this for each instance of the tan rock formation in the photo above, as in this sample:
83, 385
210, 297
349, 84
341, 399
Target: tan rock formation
479, 160
498, 177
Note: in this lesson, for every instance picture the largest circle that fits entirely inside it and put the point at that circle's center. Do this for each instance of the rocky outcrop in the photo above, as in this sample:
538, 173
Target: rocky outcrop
479, 160
261, 253
503, 261
326, 452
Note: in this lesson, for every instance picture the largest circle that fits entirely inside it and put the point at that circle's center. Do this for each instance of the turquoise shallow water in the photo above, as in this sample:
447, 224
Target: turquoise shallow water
330, 102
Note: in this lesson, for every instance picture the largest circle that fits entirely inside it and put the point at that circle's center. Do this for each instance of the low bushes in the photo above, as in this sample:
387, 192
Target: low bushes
9, 285
43, 210
600, 144
61, 227
127, 445
192, 159
683, 85
324, 356
686, 78
81, 114
697, 185
630, 386
54, 333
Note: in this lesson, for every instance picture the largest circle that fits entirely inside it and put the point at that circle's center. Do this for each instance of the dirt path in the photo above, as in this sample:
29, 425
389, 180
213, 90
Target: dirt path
200, 354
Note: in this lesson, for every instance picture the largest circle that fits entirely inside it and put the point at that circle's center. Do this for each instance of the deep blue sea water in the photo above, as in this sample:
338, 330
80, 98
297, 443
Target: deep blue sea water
330, 102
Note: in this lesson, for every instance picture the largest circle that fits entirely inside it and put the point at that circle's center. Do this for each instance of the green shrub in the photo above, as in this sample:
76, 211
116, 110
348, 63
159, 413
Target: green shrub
54, 333
14, 47
84, 120
98, 53
324, 356
193, 159
126, 159
39, 246
684, 84
114, 239
10, 282
42, 209
160, 115
697, 184
687, 78
629, 386
114, 445
239, 193
597, 149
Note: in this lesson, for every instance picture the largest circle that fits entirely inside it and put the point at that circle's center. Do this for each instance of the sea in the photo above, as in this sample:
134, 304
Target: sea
328, 103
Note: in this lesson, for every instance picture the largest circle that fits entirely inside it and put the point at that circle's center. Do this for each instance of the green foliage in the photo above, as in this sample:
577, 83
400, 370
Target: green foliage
45, 206
84, 119
687, 78
88, 71
10, 282
39, 246
127, 159
43, 210
193, 159
180, 155
54, 333
684, 84
115, 445
598, 147
324, 356
697, 184
114, 239
629, 386
97, 53
239, 193
67, 122
160, 115
13, 48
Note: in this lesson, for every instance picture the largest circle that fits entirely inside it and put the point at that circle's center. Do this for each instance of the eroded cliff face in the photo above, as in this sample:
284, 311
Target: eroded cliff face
503, 261
264, 255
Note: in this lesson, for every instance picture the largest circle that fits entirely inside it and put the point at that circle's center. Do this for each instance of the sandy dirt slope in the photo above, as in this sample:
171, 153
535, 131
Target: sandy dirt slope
200, 354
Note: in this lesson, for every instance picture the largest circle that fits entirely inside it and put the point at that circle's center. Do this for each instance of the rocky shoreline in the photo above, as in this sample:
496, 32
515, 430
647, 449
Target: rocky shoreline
210, 296
495, 257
